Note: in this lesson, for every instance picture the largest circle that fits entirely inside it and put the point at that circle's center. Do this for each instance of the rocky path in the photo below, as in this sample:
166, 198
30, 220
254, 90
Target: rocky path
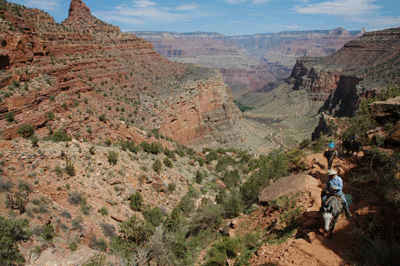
310, 246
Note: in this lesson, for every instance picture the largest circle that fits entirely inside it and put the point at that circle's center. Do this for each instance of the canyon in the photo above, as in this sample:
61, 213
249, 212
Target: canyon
249, 63
84, 54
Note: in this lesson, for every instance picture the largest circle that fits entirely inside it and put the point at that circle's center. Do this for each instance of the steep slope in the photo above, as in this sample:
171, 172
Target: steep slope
360, 69
41, 59
252, 62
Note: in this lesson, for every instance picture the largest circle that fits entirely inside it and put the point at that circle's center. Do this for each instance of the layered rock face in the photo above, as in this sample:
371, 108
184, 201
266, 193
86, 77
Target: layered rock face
207, 106
252, 62
360, 69
40, 60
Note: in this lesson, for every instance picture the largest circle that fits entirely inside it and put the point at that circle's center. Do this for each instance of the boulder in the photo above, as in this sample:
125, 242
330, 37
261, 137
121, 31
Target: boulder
286, 185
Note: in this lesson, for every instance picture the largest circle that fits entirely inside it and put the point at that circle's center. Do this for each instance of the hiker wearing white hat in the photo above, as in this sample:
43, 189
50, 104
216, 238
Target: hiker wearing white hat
334, 186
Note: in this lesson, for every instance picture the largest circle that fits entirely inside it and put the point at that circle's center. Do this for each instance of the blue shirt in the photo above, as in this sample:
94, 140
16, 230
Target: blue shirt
333, 184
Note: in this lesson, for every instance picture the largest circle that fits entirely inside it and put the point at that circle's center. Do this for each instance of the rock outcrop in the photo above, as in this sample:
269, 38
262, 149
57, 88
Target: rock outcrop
360, 69
41, 60
207, 106
252, 62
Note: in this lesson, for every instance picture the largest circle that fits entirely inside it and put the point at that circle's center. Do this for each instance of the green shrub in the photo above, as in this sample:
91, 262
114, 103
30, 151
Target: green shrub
35, 141
157, 166
154, 147
98, 244
103, 118
58, 170
186, 204
112, 157
96, 260
231, 178
107, 142
59, 135
103, 211
10, 117
167, 162
136, 201
171, 187
48, 232
135, 231
92, 149
199, 177
25, 130
50, 115
211, 156
11, 232
154, 216
76, 198
69, 167
233, 205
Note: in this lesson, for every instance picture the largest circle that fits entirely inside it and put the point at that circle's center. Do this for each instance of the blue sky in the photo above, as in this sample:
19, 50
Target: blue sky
234, 17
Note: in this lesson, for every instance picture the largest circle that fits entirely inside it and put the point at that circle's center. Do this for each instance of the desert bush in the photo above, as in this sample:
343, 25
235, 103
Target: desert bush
96, 260
154, 216
12, 232
26, 130
211, 156
233, 205
296, 160
186, 204
59, 135
98, 244
103, 118
199, 177
69, 167
76, 198
103, 211
108, 230
92, 149
48, 232
112, 157
157, 166
154, 147
272, 166
239, 248
208, 216
107, 142
10, 117
167, 162
135, 231
5, 186
50, 115
136, 201
171, 187
35, 141
231, 178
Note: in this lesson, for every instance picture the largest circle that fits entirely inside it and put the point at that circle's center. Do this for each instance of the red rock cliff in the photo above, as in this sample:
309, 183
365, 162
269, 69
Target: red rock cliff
81, 54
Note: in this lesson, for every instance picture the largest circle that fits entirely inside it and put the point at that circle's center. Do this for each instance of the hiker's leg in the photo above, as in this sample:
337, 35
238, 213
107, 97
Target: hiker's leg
345, 206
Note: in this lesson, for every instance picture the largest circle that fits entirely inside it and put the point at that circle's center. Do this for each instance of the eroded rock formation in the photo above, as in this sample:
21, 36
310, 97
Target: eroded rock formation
360, 69
41, 60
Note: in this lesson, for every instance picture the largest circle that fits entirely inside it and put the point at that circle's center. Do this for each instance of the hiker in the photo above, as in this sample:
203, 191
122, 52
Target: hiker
334, 186
330, 154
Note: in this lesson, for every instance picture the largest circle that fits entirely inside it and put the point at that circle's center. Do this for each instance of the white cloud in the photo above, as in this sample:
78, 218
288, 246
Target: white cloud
339, 7
144, 3
126, 20
293, 27
47, 5
187, 7
255, 2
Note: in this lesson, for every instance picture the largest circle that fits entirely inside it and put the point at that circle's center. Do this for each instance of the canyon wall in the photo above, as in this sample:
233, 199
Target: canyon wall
41, 60
361, 68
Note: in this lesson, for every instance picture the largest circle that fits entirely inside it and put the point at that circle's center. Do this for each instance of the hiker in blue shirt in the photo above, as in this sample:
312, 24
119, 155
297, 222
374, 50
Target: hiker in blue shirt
330, 154
334, 186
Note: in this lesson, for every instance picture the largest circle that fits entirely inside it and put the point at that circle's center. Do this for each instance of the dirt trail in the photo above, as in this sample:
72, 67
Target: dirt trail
311, 246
